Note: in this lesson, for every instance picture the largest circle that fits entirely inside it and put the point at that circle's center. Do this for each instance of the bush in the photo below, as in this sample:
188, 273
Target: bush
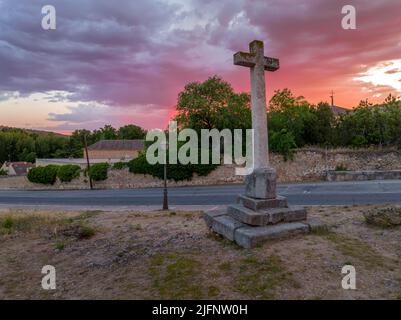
176, 172
120, 165
43, 175
98, 171
86, 231
68, 172
3, 172
341, 167
283, 142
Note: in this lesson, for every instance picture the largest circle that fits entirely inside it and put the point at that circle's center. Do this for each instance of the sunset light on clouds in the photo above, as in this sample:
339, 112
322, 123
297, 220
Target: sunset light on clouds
126, 61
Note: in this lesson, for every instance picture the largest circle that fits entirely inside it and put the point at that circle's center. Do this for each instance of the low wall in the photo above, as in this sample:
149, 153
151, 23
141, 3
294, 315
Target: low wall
309, 164
363, 175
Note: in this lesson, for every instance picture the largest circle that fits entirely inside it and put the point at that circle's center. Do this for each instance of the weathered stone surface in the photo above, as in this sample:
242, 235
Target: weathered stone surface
384, 217
333, 175
290, 214
247, 216
266, 216
257, 62
250, 237
259, 204
226, 226
261, 184
210, 215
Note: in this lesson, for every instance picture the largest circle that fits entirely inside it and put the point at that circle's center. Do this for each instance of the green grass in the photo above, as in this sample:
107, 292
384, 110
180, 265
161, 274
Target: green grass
176, 276
61, 244
259, 277
86, 231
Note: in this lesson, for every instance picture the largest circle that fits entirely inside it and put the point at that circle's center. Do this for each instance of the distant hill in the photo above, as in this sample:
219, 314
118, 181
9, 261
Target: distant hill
32, 131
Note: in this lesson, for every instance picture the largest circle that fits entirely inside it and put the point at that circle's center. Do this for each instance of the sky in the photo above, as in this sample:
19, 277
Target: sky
121, 62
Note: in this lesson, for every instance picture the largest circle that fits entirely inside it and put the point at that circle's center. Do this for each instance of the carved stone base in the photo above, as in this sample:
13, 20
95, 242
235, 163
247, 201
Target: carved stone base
250, 236
260, 215
261, 184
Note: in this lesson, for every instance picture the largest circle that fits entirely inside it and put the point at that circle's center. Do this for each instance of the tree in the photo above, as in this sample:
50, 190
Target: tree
325, 122
213, 104
284, 99
293, 114
76, 144
108, 132
130, 132
283, 142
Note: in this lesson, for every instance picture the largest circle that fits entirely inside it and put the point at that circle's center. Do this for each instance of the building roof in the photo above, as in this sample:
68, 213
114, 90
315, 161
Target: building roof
20, 168
118, 145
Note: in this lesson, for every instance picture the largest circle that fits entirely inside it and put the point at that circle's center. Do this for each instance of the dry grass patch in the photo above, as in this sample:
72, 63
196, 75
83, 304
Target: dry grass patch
356, 250
166, 255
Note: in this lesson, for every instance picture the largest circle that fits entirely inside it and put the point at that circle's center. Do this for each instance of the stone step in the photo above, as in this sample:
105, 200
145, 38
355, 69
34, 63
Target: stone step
226, 226
290, 214
211, 214
247, 216
250, 237
260, 204
267, 216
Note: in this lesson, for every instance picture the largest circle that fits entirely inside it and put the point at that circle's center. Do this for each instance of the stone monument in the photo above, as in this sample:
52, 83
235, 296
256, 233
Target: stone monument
260, 214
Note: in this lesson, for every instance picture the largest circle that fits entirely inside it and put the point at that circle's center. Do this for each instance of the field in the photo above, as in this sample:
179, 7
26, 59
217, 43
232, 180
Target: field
172, 255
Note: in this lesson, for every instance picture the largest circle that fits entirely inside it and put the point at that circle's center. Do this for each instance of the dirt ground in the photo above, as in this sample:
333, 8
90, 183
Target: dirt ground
172, 255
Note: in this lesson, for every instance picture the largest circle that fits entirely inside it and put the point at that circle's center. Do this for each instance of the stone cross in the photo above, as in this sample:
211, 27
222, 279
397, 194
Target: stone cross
258, 63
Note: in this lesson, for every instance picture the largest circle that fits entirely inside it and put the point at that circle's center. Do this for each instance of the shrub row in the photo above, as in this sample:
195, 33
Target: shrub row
43, 175
176, 172
50, 173
98, 171
68, 172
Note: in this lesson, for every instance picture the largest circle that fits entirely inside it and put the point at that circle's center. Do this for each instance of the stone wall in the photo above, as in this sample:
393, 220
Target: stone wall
112, 154
363, 175
308, 165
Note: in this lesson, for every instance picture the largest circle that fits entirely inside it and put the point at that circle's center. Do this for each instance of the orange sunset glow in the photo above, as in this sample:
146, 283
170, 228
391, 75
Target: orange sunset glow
107, 64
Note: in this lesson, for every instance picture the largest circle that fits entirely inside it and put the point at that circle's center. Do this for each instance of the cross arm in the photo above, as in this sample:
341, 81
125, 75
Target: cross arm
244, 59
271, 64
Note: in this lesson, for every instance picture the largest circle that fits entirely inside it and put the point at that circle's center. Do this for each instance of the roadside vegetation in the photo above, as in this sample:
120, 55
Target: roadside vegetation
49, 174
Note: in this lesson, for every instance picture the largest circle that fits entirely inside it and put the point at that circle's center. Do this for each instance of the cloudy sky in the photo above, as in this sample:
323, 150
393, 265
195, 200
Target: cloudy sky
125, 61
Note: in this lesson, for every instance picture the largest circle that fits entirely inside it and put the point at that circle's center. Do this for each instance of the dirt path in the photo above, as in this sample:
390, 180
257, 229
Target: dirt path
152, 255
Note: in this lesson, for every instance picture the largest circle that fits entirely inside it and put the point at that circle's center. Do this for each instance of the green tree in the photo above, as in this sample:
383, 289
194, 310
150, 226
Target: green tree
130, 132
213, 104
283, 142
293, 114
108, 132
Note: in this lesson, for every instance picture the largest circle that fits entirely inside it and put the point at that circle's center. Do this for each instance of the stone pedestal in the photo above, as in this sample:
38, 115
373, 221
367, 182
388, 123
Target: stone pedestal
261, 184
260, 214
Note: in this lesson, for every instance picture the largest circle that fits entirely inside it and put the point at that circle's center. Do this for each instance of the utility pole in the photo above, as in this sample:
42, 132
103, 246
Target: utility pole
332, 98
87, 162
165, 195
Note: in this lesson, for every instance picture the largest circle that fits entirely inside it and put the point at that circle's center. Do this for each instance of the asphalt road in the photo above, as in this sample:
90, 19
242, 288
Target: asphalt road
322, 193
